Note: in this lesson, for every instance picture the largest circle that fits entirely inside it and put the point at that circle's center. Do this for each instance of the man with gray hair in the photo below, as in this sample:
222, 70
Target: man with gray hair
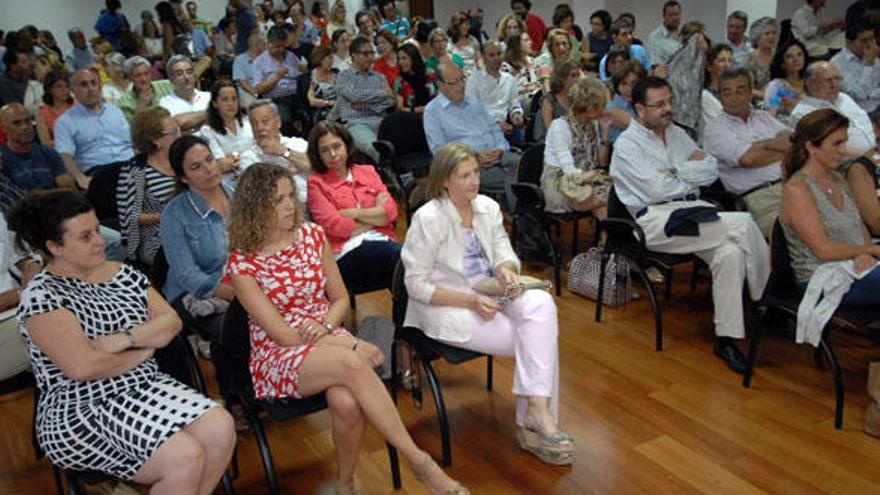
737, 22
822, 81
275, 72
186, 104
144, 93
272, 147
243, 70
81, 57
496, 90
749, 145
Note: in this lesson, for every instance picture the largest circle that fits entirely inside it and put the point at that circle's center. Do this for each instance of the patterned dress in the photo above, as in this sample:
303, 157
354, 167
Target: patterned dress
114, 424
294, 281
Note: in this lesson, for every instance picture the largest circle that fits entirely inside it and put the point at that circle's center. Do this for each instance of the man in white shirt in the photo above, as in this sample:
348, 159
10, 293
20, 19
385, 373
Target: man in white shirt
664, 41
859, 64
272, 147
496, 90
822, 81
186, 104
749, 145
816, 31
737, 22
657, 171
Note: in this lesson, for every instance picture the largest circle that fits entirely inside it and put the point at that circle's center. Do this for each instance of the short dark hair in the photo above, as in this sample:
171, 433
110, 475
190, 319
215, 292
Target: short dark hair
357, 17
178, 151
561, 12
735, 72
276, 33
640, 90
51, 78
10, 58
526, 3
855, 29
627, 68
322, 129
603, 16
358, 42
39, 217
669, 5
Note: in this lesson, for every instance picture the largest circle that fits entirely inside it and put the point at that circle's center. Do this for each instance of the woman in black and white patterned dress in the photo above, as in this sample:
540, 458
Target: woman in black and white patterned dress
91, 328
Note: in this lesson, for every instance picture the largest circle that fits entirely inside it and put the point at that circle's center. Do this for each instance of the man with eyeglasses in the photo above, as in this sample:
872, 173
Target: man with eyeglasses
454, 117
658, 171
362, 97
749, 145
622, 34
822, 82
186, 104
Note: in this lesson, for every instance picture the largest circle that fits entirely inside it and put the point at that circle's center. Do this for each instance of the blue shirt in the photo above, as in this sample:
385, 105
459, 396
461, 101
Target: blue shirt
201, 42
92, 138
34, 170
621, 104
467, 122
245, 22
109, 25
81, 58
636, 52
242, 68
264, 67
196, 246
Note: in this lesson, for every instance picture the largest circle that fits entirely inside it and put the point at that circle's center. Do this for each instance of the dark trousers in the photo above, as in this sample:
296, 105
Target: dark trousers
370, 266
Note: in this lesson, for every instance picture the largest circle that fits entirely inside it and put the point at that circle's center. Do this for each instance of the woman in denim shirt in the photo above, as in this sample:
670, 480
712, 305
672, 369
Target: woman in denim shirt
193, 234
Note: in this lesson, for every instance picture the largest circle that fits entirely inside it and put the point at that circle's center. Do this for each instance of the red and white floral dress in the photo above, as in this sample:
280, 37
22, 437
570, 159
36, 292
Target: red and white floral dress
293, 279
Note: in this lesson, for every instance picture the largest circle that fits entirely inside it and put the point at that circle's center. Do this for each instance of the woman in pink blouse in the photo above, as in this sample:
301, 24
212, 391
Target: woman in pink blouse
353, 206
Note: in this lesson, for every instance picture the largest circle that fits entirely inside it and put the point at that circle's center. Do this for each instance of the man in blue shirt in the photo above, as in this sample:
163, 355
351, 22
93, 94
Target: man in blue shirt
622, 34
245, 24
30, 165
453, 117
202, 50
81, 57
92, 133
243, 70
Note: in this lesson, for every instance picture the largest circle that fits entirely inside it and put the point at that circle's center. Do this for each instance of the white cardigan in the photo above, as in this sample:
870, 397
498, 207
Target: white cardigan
433, 255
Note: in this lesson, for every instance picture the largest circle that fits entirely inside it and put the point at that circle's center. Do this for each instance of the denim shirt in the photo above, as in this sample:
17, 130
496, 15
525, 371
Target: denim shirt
196, 245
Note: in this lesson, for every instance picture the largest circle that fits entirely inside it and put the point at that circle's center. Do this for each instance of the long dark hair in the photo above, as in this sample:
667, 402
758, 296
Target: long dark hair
513, 53
813, 128
215, 121
417, 76
776, 69
166, 14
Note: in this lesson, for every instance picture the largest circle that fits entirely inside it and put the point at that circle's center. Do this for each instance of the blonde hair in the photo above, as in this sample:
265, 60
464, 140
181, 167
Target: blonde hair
442, 166
588, 93
253, 210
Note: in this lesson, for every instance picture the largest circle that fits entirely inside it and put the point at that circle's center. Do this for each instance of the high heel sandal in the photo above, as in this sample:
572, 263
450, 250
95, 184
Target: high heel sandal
553, 448
423, 472
346, 489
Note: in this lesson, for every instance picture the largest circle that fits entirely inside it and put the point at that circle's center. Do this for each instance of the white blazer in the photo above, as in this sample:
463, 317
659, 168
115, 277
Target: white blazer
433, 255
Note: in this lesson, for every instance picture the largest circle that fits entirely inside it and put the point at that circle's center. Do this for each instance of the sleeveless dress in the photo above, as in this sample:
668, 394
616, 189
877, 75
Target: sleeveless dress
293, 280
114, 424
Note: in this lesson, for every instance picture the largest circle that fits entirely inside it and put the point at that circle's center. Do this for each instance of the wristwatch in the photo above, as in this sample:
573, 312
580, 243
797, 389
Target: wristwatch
286, 154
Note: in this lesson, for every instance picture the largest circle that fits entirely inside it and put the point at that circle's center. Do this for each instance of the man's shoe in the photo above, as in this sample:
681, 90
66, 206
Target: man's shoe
730, 353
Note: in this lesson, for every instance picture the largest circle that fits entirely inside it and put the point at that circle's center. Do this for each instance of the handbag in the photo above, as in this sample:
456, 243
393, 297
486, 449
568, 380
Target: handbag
491, 287
583, 277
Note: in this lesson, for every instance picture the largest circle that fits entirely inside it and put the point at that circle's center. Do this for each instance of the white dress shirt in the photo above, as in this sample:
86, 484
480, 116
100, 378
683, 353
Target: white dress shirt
861, 132
860, 81
647, 170
500, 96
728, 138
177, 105
805, 24
300, 179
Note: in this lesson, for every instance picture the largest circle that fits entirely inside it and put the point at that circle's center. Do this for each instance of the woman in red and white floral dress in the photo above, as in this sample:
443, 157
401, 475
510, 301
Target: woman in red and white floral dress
284, 274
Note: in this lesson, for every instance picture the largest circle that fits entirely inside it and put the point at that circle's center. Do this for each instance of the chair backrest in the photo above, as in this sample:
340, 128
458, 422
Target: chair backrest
102, 193
781, 272
159, 270
399, 295
531, 114
619, 233
233, 350
531, 165
405, 131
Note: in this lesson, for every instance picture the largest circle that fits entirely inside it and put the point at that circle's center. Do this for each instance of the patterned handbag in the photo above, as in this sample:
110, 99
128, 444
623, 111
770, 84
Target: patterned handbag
583, 277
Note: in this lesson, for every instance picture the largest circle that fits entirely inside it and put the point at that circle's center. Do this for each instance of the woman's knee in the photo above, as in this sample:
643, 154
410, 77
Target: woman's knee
182, 456
218, 430
343, 404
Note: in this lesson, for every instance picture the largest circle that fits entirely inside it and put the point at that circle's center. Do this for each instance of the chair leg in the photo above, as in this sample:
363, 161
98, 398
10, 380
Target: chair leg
825, 345
226, 481
667, 280
489, 372
394, 374
600, 291
655, 307
265, 453
73, 487
395, 466
574, 238
557, 274
442, 420
59, 482
757, 335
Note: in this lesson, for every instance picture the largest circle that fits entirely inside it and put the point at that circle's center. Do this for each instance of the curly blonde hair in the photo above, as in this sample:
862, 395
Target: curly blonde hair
253, 209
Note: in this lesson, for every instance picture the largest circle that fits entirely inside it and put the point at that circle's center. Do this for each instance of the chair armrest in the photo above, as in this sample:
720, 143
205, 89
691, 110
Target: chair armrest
385, 149
640, 234
528, 194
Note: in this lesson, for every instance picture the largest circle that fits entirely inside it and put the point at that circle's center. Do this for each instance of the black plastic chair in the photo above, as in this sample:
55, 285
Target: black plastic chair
404, 156
427, 350
234, 352
102, 194
781, 294
531, 114
625, 237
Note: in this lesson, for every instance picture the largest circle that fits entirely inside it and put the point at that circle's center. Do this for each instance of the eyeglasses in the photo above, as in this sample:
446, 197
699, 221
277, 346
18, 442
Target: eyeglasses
175, 132
660, 104
365, 53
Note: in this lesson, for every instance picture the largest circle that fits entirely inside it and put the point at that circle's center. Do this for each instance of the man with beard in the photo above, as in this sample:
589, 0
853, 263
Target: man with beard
664, 41
657, 171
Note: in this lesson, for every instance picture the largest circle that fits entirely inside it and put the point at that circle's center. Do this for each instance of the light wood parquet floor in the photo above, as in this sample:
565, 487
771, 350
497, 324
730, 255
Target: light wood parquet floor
673, 422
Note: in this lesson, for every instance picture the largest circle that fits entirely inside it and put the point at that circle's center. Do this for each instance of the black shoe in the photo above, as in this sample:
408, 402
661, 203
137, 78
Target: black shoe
731, 355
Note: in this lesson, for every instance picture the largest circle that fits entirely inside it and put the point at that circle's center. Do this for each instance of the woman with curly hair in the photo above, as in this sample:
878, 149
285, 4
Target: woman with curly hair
415, 86
284, 275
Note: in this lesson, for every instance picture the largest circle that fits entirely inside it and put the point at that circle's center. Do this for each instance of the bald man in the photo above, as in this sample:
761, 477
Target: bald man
30, 165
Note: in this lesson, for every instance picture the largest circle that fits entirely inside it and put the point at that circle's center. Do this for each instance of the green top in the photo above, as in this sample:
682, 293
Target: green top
128, 102
433, 61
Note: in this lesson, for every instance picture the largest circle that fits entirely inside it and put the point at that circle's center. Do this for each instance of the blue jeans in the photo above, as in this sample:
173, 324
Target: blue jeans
864, 292
113, 249
370, 266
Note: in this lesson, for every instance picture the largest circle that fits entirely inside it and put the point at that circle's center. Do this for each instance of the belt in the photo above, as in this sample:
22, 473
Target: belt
762, 186
686, 197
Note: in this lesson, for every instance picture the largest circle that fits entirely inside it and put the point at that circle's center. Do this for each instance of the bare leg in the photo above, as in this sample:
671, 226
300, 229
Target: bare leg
176, 467
348, 432
329, 366
215, 430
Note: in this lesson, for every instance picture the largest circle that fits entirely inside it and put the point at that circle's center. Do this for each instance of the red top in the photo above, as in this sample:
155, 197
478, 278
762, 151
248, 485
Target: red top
293, 280
50, 117
537, 30
383, 67
329, 193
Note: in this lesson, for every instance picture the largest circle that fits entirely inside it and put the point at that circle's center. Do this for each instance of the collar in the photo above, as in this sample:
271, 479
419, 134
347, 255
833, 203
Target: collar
200, 206
88, 111
334, 180
446, 102
736, 118
819, 103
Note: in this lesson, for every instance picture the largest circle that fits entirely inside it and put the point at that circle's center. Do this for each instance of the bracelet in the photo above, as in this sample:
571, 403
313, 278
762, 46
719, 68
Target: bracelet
329, 326
130, 336
356, 342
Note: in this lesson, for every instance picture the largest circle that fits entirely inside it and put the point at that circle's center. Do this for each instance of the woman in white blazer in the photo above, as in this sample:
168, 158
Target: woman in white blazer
456, 240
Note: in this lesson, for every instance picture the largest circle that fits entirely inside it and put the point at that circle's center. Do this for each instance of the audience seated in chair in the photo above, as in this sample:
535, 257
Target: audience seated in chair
497, 91
144, 93
860, 66
415, 85
275, 72
749, 145
13, 352
284, 274
228, 130
186, 103
243, 72
456, 240
92, 327
29, 164
657, 171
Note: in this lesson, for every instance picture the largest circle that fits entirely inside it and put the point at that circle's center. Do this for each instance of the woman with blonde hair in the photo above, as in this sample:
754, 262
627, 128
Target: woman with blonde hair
284, 274
338, 19
456, 241
557, 49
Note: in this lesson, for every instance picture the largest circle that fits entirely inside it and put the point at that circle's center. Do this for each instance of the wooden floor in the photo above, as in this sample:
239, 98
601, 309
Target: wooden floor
677, 421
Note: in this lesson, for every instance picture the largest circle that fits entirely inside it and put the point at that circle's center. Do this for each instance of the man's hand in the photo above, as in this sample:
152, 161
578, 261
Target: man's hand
272, 146
698, 154
281, 71
505, 128
489, 158
145, 97
518, 120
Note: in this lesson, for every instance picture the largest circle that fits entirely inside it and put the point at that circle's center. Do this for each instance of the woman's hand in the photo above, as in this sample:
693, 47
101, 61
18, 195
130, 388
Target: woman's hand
113, 343
864, 262
351, 213
485, 307
509, 280
370, 353
311, 331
